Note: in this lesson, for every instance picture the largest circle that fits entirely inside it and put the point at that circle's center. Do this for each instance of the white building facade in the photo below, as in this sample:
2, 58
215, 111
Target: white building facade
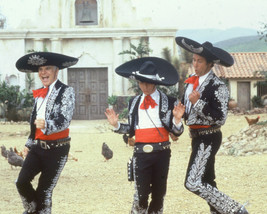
95, 31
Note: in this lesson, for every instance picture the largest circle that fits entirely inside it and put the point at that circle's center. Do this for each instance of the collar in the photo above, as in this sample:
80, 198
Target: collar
202, 78
154, 95
51, 87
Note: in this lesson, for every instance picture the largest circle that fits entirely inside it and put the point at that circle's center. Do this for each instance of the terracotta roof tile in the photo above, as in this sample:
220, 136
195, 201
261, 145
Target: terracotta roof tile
245, 66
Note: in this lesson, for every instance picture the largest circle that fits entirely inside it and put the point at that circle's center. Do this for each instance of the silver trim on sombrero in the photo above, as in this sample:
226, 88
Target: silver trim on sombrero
152, 77
68, 64
36, 60
191, 47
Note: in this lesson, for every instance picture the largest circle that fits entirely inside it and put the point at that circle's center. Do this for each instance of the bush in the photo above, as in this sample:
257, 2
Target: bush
257, 102
15, 100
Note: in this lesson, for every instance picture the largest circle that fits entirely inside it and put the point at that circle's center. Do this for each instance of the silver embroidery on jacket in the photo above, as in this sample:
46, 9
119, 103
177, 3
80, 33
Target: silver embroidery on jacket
64, 109
221, 95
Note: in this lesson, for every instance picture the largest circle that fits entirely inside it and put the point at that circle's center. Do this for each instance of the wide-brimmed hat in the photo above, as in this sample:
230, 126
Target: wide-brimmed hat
207, 50
149, 69
31, 62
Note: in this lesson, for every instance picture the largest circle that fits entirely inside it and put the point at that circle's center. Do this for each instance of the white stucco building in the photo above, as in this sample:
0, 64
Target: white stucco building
96, 31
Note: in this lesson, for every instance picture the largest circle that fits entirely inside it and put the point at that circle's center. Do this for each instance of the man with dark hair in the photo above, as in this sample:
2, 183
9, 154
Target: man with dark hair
153, 116
48, 145
206, 102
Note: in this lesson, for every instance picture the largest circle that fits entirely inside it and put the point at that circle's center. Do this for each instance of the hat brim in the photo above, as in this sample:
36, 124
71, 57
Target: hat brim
164, 69
217, 55
31, 62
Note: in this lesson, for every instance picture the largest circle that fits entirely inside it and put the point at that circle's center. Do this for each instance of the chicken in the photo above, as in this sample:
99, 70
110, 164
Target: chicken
71, 157
252, 121
4, 151
18, 152
106, 152
13, 159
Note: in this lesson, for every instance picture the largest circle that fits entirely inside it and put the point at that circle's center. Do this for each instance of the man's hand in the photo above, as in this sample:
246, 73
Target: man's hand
40, 123
178, 112
25, 151
173, 137
112, 117
131, 141
194, 96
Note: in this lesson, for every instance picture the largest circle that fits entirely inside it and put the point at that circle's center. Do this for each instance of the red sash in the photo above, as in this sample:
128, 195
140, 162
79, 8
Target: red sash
151, 135
59, 135
199, 127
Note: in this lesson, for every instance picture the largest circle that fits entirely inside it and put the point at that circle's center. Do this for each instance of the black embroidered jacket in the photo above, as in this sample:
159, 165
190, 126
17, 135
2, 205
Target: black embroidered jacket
59, 110
211, 109
166, 106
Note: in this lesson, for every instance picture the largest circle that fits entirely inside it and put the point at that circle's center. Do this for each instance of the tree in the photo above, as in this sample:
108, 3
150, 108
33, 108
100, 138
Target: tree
141, 50
182, 68
263, 35
263, 32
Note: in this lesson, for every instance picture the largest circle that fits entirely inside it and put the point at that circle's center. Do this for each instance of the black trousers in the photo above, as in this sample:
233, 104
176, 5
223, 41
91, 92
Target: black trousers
50, 164
200, 176
150, 176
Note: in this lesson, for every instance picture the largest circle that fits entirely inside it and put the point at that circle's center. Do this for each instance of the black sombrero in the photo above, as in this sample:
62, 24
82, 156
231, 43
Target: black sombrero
149, 69
207, 50
31, 62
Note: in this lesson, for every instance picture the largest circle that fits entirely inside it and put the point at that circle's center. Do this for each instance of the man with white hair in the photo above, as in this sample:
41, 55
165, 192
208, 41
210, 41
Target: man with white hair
48, 145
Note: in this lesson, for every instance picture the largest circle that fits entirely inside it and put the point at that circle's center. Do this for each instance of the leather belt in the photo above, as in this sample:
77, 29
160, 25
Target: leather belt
51, 144
204, 131
151, 147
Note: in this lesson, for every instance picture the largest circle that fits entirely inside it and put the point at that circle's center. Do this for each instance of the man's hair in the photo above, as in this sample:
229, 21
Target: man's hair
55, 67
209, 60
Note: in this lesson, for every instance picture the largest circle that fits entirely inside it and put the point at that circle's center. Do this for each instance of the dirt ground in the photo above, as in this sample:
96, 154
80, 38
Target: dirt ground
93, 186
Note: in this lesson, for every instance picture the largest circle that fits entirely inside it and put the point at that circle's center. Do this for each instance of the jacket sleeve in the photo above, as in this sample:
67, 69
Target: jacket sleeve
62, 112
126, 127
177, 131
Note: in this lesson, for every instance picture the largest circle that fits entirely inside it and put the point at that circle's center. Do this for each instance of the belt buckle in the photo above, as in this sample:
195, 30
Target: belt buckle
147, 148
43, 144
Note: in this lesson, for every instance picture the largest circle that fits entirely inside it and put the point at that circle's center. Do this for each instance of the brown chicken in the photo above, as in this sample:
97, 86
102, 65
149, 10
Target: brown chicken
19, 153
253, 120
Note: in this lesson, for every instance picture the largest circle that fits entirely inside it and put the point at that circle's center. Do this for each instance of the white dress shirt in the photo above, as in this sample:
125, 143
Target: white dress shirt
189, 90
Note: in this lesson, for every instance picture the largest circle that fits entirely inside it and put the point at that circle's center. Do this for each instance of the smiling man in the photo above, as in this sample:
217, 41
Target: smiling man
48, 145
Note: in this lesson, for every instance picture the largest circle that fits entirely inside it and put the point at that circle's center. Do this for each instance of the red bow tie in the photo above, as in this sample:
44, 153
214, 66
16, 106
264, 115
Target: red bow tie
42, 92
148, 101
193, 80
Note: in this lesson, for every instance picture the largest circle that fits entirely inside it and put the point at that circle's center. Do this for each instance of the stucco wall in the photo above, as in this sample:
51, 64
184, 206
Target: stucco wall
233, 88
41, 25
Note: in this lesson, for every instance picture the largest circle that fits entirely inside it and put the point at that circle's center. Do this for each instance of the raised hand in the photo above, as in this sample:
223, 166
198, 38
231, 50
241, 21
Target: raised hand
112, 117
178, 112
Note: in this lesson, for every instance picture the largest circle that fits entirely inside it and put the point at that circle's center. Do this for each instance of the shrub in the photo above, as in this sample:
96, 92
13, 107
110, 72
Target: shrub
256, 102
15, 100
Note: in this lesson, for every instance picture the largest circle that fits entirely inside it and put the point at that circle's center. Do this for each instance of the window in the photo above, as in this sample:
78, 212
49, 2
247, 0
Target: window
86, 12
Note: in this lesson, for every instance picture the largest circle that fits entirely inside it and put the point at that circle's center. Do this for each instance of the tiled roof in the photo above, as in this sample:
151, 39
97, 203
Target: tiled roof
245, 66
